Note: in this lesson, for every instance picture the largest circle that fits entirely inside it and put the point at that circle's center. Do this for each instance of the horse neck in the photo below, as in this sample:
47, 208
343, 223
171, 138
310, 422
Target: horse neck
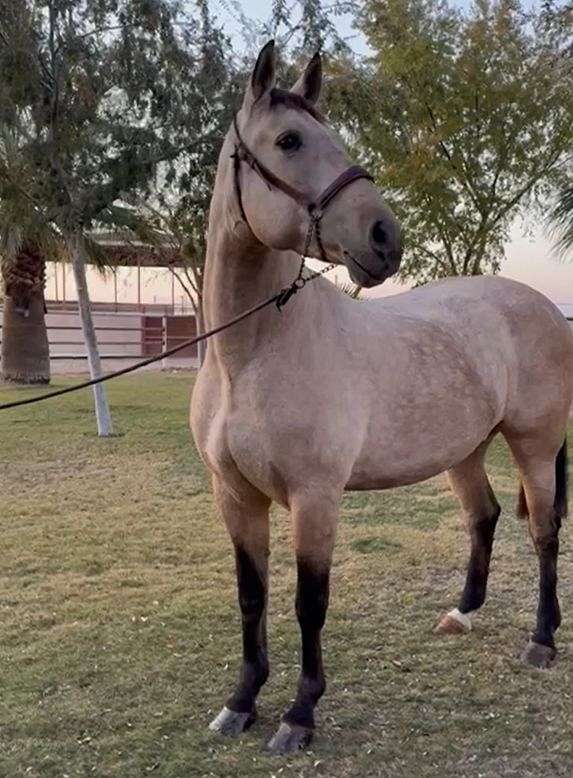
239, 273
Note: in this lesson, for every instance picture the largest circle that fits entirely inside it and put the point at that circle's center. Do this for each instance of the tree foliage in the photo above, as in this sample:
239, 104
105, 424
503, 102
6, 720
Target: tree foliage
100, 99
173, 213
561, 220
465, 119
95, 95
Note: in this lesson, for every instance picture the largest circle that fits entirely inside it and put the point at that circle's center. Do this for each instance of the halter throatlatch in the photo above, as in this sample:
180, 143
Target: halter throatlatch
315, 208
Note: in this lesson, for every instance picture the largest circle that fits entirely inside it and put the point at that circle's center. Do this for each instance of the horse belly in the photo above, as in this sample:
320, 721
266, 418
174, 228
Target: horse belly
427, 430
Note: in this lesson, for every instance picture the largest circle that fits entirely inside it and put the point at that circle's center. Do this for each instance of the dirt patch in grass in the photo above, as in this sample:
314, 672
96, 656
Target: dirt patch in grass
120, 637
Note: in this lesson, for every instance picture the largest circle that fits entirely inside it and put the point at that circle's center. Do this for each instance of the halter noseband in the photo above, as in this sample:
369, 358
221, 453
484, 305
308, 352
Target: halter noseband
315, 208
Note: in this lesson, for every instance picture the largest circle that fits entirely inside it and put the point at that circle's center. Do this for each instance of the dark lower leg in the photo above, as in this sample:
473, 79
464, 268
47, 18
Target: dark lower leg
536, 460
481, 533
311, 606
252, 590
548, 613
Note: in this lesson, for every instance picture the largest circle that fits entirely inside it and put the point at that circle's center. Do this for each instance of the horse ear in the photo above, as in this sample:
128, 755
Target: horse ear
310, 82
263, 77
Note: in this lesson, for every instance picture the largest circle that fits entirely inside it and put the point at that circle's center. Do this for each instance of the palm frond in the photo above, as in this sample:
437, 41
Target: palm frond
352, 290
97, 255
127, 219
561, 222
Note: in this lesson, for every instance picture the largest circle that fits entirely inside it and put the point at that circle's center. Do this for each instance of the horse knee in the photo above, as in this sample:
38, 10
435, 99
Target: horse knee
481, 524
544, 531
312, 688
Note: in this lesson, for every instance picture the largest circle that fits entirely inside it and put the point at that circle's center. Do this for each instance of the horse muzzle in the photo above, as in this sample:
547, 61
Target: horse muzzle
386, 243
362, 277
375, 267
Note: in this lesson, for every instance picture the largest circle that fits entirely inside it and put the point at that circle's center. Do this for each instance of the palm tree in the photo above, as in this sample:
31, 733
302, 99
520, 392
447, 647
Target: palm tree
26, 241
25, 350
561, 221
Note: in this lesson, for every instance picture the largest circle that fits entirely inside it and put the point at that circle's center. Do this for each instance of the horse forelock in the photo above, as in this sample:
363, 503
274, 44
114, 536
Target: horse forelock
295, 101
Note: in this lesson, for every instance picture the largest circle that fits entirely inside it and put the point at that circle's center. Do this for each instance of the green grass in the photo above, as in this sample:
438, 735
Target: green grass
120, 638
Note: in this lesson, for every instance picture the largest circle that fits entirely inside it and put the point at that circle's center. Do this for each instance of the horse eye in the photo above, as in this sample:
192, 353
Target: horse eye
290, 141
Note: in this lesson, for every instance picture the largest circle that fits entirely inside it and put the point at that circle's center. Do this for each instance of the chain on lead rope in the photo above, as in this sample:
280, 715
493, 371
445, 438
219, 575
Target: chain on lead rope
301, 280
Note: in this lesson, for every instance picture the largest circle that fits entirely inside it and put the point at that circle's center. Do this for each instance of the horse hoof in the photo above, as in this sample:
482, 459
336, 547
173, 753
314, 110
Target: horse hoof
289, 739
231, 723
538, 655
454, 623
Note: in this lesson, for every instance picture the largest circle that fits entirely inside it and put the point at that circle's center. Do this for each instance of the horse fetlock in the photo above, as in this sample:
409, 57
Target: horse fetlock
311, 688
255, 674
242, 700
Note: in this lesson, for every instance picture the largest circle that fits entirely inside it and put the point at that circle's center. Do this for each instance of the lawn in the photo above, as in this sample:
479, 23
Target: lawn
120, 636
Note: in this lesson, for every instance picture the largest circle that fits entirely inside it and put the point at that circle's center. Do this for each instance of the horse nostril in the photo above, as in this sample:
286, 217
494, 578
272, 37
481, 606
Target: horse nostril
379, 234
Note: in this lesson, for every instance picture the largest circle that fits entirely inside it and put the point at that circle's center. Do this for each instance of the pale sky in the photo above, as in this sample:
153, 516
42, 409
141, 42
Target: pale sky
529, 259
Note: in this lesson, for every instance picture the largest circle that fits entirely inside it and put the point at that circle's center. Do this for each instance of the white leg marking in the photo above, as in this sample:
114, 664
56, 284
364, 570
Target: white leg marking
229, 722
215, 725
465, 619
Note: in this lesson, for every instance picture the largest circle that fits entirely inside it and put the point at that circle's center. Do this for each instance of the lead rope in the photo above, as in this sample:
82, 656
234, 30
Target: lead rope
280, 299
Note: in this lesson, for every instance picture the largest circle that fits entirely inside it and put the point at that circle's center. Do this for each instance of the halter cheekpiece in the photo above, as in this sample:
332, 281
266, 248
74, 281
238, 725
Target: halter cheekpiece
315, 208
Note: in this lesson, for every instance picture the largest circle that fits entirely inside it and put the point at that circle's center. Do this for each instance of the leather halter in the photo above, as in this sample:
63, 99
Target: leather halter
315, 208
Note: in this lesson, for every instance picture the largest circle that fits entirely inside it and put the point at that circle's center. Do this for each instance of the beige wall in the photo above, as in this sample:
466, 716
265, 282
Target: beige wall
126, 341
157, 285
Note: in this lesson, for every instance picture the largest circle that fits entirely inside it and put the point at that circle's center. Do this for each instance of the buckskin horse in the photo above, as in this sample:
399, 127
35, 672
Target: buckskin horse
334, 394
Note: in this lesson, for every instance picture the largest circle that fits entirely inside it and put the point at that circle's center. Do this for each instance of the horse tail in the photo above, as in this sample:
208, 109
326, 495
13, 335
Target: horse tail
560, 500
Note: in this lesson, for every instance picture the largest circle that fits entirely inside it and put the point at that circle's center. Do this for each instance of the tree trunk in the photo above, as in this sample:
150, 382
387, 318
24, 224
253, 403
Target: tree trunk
77, 253
25, 348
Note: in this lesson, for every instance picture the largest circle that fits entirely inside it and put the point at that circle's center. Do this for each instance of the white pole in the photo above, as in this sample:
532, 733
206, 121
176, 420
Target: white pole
77, 252
164, 340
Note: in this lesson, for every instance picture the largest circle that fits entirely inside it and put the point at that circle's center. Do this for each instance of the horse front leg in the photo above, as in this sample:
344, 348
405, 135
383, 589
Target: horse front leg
314, 535
247, 521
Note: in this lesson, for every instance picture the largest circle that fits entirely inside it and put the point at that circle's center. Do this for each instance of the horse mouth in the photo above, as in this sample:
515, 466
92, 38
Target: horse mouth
361, 275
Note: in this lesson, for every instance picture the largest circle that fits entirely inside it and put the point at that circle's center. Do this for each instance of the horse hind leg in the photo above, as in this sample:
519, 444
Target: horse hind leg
543, 469
481, 512
247, 521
